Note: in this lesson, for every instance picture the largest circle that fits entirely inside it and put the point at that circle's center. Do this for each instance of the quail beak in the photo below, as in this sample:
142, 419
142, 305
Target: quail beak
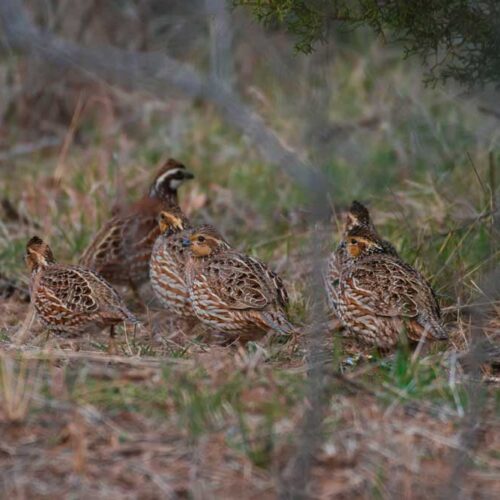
178, 225
188, 174
186, 242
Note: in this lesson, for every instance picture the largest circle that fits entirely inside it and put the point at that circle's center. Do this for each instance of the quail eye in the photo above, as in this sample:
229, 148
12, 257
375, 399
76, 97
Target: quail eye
201, 239
353, 241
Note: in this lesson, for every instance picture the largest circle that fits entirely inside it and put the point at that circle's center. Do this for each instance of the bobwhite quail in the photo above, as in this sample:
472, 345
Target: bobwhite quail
380, 296
71, 298
121, 250
168, 264
231, 292
357, 216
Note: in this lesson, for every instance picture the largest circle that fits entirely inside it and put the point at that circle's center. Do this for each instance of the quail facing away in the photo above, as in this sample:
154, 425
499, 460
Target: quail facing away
168, 264
380, 296
71, 298
232, 292
357, 216
121, 249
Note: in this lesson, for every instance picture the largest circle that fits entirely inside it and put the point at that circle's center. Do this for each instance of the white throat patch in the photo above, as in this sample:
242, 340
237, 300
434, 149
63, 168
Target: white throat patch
174, 183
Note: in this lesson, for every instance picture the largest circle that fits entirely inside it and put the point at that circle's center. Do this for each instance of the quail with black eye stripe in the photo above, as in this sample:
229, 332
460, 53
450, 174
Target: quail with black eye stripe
231, 292
69, 298
121, 250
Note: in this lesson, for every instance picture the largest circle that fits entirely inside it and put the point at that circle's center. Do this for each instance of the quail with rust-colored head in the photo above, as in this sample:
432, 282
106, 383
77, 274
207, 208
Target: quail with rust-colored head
168, 264
71, 298
121, 250
357, 216
379, 296
230, 291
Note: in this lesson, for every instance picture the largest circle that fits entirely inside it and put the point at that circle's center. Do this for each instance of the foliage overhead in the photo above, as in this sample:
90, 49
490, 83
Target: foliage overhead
455, 39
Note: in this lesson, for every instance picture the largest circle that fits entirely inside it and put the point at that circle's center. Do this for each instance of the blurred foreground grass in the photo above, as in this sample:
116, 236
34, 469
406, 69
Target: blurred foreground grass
173, 414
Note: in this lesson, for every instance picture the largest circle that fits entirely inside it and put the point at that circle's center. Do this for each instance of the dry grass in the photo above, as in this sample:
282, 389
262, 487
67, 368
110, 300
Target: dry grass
20, 383
221, 424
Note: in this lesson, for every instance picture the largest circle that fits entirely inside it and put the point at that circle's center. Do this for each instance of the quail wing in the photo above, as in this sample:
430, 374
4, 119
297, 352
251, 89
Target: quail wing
282, 294
387, 287
79, 289
107, 253
239, 282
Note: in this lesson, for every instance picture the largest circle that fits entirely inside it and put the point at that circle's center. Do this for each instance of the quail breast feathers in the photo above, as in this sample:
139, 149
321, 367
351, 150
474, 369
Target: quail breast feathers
168, 264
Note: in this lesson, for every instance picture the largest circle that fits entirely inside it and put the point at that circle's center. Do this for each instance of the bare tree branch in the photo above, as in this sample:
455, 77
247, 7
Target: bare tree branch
155, 73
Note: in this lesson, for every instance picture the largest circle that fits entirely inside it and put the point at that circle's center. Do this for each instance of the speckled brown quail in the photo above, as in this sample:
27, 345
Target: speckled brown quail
357, 216
380, 296
70, 298
168, 264
231, 292
121, 250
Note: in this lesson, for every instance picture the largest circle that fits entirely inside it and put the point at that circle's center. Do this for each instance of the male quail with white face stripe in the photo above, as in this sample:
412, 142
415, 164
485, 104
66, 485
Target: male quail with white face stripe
121, 250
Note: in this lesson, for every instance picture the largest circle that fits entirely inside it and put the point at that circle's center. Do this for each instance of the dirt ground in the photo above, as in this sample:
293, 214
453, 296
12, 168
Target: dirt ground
170, 417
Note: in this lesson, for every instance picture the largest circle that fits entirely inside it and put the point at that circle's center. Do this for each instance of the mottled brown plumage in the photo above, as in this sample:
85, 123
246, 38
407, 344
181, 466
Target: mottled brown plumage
357, 216
69, 298
168, 264
232, 292
121, 250
379, 296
